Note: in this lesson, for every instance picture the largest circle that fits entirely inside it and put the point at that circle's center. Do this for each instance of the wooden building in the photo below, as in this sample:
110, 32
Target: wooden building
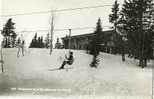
81, 42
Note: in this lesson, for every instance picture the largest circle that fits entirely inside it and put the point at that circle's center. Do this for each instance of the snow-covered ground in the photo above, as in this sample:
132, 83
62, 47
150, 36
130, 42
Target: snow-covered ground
31, 75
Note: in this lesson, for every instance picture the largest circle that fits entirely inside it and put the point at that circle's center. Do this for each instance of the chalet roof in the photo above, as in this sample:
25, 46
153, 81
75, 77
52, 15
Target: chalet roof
87, 35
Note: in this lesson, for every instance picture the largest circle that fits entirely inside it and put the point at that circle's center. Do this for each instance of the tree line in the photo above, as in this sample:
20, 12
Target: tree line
133, 31
37, 42
10, 38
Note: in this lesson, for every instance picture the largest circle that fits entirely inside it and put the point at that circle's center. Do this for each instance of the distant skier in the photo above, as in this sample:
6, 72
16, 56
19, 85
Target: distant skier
20, 45
68, 60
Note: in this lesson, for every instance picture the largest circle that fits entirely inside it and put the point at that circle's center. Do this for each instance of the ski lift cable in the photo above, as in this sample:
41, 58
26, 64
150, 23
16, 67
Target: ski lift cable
60, 10
65, 29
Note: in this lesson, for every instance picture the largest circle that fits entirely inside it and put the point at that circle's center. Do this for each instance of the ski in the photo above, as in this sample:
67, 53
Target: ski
66, 68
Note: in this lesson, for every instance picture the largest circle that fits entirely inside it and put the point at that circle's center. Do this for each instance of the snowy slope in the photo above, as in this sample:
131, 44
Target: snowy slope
112, 77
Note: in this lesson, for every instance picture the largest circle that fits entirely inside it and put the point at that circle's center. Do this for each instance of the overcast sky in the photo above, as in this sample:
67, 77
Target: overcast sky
63, 20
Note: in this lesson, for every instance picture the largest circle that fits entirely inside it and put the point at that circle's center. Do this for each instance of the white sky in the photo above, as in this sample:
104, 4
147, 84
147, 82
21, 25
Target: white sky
63, 20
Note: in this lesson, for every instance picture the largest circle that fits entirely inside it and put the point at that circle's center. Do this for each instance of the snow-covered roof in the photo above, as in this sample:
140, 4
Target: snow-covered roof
87, 35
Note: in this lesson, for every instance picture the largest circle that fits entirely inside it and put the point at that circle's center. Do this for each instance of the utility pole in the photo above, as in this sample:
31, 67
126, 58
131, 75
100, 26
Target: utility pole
153, 72
2, 62
69, 43
51, 39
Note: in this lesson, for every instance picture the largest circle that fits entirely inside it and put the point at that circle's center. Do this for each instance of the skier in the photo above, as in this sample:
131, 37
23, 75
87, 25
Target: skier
20, 46
69, 60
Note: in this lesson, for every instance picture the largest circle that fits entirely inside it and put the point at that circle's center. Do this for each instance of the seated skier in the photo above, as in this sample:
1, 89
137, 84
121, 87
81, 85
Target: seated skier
68, 60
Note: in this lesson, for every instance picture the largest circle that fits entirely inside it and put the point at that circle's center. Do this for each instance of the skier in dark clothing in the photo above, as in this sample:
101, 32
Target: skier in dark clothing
20, 45
68, 60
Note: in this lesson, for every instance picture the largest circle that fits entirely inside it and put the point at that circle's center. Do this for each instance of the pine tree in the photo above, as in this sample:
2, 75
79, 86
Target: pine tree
113, 18
138, 33
118, 42
33, 43
95, 44
38, 43
9, 34
42, 43
97, 39
58, 45
47, 41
